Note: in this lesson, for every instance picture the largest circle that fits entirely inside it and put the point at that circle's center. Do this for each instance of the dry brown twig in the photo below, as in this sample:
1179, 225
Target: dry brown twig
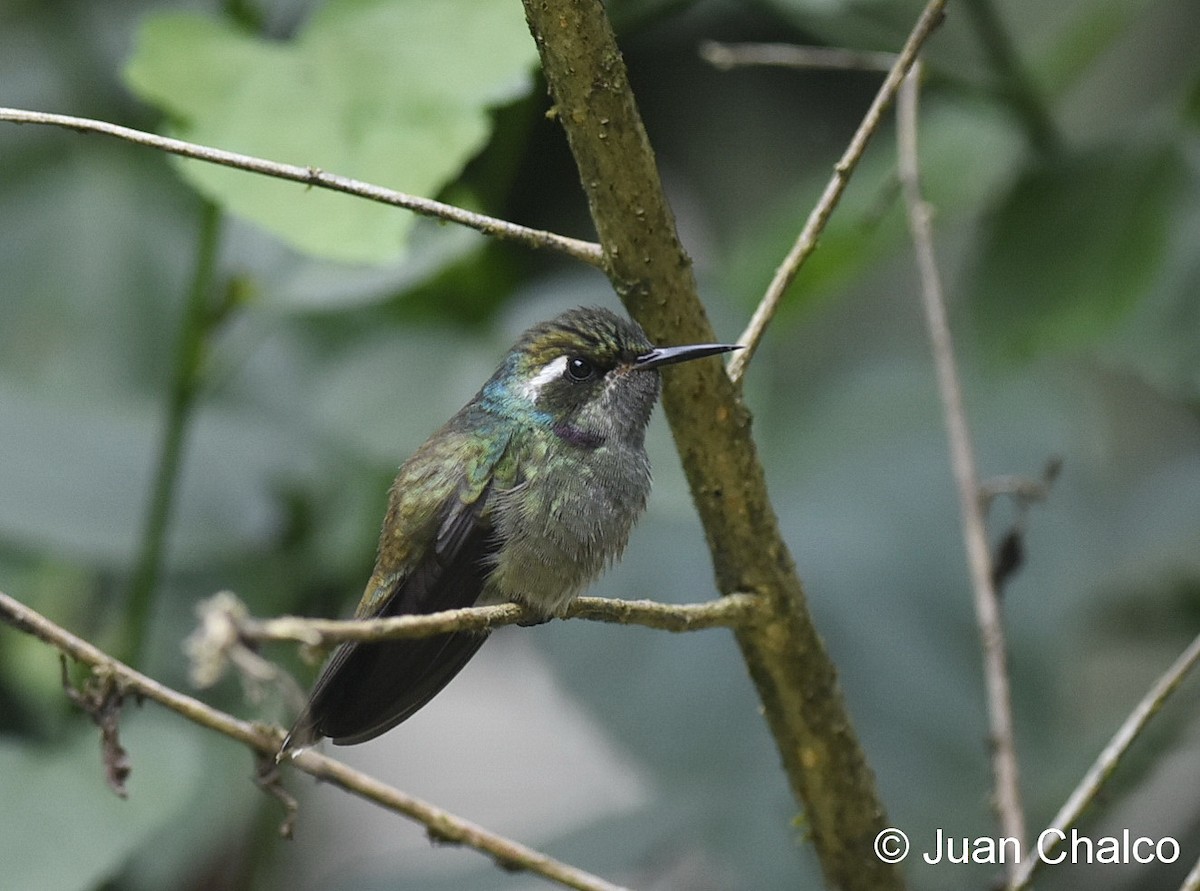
269, 778
219, 642
265, 741
788, 55
679, 617
1005, 767
1191, 882
806, 241
584, 251
101, 697
1109, 759
226, 628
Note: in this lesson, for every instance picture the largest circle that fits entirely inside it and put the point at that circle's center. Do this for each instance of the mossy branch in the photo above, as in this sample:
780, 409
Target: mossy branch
647, 265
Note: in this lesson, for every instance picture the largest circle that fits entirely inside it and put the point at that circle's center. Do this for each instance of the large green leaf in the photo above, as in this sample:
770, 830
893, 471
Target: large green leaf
1072, 248
394, 92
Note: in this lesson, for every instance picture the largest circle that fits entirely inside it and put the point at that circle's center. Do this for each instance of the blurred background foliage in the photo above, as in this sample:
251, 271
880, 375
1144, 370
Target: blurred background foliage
1061, 148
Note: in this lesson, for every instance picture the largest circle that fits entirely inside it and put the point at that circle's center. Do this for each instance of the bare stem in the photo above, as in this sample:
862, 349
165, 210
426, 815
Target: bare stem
265, 740
1110, 757
1021, 488
724, 612
789, 55
1191, 882
806, 242
227, 630
585, 251
792, 672
1007, 797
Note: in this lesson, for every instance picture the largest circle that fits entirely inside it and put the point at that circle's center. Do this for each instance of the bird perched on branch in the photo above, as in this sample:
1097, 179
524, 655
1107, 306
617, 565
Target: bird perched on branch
526, 495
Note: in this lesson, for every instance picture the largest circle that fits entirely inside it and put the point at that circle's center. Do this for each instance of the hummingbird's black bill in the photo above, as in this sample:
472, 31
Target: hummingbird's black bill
671, 355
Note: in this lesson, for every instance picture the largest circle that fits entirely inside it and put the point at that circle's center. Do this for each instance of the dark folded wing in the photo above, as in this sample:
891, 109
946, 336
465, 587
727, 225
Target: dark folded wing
368, 688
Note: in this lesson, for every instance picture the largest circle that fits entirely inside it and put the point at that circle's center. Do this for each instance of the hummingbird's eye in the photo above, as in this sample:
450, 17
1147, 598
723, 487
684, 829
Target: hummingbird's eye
580, 369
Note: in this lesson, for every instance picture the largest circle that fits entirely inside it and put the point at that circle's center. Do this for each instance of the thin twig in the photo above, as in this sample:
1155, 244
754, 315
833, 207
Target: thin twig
586, 251
1023, 489
723, 612
1007, 797
220, 642
789, 55
102, 696
1191, 882
1110, 757
269, 777
265, 740
806, 242
729, 611
226, 628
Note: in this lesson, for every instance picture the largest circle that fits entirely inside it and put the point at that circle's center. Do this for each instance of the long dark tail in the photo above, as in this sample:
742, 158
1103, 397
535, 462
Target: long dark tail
369, 688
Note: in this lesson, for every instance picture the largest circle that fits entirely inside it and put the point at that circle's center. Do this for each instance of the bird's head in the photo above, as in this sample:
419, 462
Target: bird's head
588, 374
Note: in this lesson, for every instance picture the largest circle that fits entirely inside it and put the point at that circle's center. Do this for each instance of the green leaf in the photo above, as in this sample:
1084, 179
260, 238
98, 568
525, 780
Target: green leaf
1072, 248
394, 92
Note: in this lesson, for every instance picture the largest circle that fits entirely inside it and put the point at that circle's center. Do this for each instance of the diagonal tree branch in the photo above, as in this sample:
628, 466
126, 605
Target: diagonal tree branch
265, 740
584, 251
1108, 760
795, 678
806, 241
1191, 882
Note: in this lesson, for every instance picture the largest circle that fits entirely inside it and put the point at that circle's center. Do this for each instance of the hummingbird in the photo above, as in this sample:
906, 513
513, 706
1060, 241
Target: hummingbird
526, 495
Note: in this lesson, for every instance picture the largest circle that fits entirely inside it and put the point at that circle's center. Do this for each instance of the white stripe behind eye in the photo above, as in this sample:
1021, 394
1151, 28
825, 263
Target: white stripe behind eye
552, 370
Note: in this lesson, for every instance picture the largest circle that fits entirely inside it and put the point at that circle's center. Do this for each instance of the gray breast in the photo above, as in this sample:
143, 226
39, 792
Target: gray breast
565, 524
